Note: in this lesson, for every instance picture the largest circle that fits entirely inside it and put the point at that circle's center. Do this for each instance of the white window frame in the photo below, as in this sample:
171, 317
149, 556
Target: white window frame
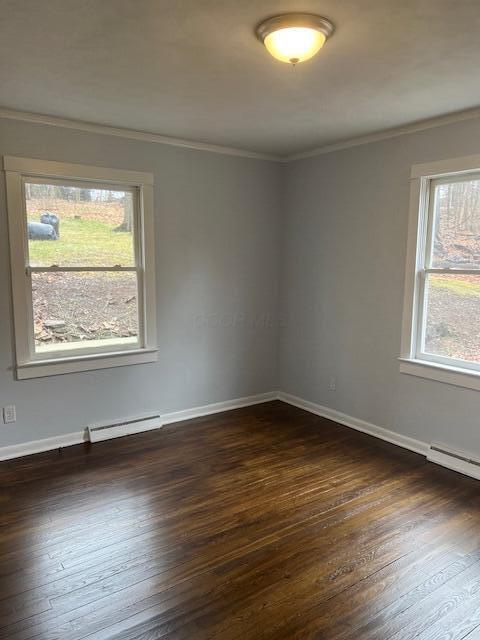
413, 360
31, 365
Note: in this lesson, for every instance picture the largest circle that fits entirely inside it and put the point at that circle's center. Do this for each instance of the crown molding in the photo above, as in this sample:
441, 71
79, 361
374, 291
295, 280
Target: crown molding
131, 134
90, 127
421, 125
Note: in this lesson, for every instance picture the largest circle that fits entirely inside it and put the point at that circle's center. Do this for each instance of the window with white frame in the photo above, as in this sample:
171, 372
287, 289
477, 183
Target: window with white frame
81, 241
441, 337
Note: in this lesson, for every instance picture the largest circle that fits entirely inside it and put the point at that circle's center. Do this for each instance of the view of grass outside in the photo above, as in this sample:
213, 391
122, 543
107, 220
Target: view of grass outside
453, 313
94, 230
84, 242
453, 301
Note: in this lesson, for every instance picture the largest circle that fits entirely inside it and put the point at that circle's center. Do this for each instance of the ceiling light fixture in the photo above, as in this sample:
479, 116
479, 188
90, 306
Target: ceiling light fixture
294, 37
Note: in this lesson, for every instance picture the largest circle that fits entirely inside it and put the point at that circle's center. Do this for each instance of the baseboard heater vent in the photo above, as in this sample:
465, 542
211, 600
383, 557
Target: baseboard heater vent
107, 431
457, 460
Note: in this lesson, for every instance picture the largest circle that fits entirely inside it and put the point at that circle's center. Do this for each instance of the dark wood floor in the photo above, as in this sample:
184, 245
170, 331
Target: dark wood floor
260, 523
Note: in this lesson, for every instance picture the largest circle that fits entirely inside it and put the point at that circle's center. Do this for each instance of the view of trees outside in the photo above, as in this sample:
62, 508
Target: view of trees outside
80, 227
453, 301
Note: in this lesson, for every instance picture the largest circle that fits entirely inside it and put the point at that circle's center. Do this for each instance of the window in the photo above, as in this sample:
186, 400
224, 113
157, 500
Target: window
441, 336
82, 259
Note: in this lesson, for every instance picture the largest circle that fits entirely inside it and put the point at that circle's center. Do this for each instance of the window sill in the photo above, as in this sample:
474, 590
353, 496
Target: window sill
441, 373
91, 362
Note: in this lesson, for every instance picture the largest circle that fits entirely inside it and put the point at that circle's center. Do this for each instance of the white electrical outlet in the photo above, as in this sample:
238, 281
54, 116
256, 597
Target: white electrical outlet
333, 384
9, 414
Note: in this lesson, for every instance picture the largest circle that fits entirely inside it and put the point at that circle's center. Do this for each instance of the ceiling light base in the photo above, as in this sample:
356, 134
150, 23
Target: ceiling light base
289, 20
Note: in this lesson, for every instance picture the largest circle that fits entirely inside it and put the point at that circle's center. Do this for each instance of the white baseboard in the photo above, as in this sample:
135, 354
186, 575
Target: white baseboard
38, 446
355, 423
68, 439
217, 407
418, 446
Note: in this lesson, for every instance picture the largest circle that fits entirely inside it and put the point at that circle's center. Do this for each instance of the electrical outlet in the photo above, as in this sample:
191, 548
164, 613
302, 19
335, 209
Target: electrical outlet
333, 384
9, 414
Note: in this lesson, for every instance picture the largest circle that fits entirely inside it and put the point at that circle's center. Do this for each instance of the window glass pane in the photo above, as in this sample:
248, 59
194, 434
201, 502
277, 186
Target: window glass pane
73, 226
84, 309
456, 233
452, 327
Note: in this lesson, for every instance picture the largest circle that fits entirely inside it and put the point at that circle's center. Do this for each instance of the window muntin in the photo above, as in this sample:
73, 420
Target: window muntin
448, 278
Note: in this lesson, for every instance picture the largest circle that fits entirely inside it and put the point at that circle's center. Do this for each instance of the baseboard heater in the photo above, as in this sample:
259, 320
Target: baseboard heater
457, 460
107, 431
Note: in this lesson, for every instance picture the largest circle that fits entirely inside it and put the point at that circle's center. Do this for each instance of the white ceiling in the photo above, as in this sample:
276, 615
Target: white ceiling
193, 68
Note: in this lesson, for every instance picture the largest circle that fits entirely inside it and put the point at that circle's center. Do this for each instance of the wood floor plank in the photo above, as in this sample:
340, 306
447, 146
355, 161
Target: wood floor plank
265, 522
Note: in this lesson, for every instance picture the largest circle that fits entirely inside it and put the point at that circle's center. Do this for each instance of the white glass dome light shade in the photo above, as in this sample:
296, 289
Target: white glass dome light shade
294, 38
294, 44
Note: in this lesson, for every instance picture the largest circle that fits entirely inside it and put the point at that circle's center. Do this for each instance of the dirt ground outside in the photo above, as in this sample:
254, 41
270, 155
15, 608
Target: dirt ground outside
453, 325
90, 306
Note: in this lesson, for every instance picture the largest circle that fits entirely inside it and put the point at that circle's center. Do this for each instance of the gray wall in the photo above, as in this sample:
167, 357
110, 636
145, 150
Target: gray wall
345, 237
217, 253
332, 229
